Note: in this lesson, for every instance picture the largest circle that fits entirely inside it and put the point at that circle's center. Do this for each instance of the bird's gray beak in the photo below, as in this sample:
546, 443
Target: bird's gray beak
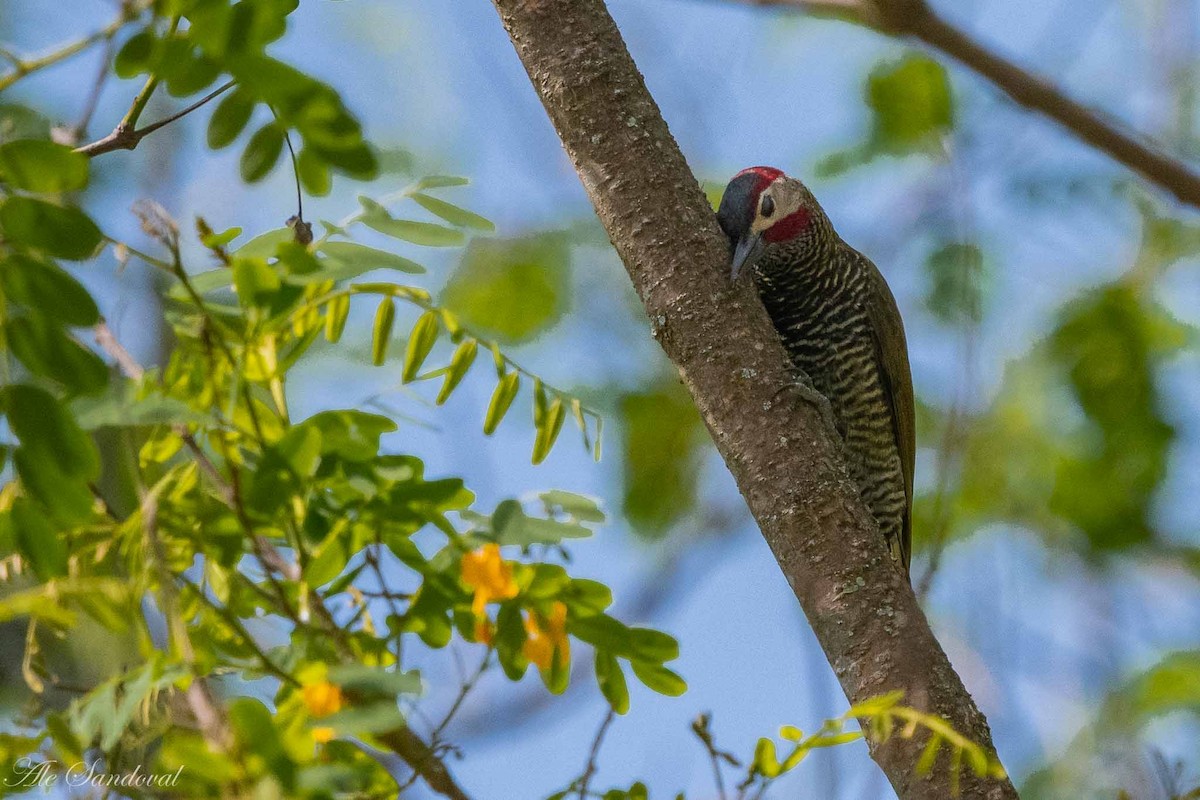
747, 251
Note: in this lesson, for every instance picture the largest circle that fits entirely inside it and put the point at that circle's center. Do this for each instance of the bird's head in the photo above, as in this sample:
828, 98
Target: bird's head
761, 207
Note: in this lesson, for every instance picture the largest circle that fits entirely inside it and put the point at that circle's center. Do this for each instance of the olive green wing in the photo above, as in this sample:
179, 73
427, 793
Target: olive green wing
891, 349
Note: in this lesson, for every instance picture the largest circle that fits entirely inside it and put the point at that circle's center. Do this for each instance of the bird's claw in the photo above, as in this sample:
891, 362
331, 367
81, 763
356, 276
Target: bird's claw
804, 389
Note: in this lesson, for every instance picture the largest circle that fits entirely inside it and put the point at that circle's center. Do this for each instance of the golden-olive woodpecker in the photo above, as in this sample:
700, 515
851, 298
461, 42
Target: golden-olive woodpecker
840, 325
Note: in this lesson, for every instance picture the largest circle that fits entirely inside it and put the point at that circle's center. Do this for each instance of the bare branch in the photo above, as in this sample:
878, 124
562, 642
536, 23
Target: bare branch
787, 462
589, 769
915, 19
424, 762
126, 137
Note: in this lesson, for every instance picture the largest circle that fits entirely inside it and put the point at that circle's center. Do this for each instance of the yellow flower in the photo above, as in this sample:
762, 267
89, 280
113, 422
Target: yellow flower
323, 698
489, 575
544, 637
322, 735
484, 632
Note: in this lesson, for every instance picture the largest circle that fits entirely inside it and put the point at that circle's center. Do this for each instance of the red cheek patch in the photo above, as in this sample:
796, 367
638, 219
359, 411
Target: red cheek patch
791, 225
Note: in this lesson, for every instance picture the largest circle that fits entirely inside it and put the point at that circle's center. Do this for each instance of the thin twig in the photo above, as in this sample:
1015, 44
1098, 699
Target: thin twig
79, 130
23, 67
703, 730
126, 137
232, 620
950, 449
589, 769
467, 686
287, 138
109, 344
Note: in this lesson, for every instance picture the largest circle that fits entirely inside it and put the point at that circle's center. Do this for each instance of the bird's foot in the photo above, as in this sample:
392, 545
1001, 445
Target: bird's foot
804, 389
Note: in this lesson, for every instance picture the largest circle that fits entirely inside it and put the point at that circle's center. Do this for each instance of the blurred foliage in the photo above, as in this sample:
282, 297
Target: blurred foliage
911, 108
227, 509
1086, 769
957, 284
663, 445
1080, 421
514, 289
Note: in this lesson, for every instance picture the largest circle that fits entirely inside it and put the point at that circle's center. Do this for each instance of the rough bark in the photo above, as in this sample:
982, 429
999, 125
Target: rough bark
786, 462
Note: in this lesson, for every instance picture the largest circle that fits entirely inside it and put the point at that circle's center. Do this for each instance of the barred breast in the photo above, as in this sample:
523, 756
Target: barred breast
821, 311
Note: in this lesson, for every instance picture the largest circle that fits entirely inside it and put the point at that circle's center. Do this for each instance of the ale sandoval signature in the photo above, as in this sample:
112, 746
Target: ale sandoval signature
28, 773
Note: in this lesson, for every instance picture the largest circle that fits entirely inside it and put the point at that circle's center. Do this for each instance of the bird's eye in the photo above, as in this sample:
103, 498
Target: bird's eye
768, 206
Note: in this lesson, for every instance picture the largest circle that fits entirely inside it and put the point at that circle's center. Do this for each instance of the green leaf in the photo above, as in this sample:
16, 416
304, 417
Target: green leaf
337, 311
375, 718
460, 363
381, 331
911, 101
44, 287
611, 680
136, 56
22, 122
38, 542
502, 399
62, 231
510, 641
585, 597
424, 335
441, 181
511, 525
422, 233
955, 283
577, 506
47, 431
351, 259
230, 118
314, 173
256, 282
664, 440
36, 165
765, 762
265, 245
512, 288
651, 645
363, 679
452, 213
658, 678
261, 153
121, 407
56, 460
348, 434
215, 240
45, 348
547, 431
929, 754
189, 71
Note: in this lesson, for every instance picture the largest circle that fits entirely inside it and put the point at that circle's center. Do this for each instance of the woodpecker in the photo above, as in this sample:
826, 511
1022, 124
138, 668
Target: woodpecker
840, 326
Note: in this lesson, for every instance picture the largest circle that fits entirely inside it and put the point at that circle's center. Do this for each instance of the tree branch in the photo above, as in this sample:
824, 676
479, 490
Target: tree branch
787, 464
22, 66
915, 19
126, 137
424, 762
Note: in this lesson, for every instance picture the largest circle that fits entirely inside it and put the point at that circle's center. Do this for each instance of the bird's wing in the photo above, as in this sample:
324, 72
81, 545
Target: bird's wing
891, 350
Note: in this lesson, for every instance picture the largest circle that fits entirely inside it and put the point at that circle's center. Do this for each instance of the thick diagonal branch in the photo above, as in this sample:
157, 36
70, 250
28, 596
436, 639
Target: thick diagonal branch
783, 457
915, 19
